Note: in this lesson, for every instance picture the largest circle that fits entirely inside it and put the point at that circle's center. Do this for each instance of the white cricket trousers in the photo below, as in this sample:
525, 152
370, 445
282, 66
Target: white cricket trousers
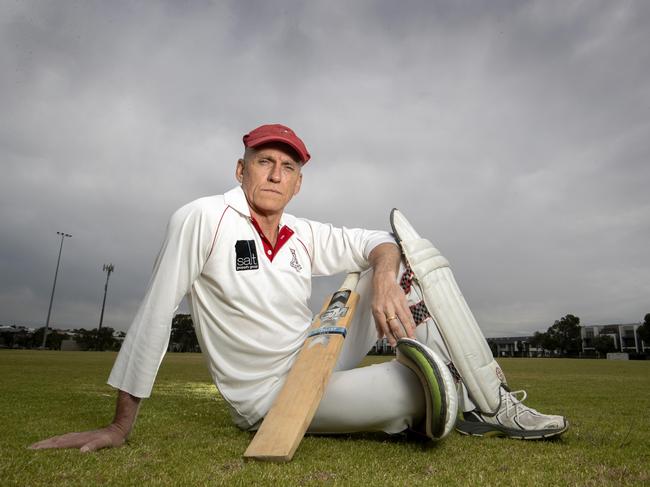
382, 397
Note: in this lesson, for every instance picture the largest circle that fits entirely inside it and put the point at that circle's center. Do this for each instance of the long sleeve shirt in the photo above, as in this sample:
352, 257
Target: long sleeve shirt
249, 302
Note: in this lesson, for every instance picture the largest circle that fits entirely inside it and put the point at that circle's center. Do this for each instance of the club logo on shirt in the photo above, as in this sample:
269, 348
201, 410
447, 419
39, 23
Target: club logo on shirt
246, 255
294, 261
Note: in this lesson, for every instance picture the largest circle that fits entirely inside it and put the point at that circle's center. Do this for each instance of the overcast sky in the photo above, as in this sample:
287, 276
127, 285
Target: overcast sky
515, 135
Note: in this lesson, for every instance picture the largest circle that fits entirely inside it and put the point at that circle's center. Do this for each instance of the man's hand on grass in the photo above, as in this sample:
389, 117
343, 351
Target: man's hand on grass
111, 436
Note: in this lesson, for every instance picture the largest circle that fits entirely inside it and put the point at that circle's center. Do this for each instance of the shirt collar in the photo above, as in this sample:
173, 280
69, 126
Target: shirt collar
236, 199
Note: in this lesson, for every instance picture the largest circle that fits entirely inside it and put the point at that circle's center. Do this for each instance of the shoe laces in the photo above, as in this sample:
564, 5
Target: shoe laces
515, 403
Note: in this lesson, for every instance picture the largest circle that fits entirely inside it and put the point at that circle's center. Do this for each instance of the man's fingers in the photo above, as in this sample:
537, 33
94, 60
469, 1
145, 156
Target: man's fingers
405, 315
96, 444
69, 440
399, 327
382, 323
37, 446
393, 318
406, 319
86, 441
393, 327
401, 324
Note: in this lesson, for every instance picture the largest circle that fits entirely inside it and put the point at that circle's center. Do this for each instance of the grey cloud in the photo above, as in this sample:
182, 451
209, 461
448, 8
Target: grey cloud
513, 134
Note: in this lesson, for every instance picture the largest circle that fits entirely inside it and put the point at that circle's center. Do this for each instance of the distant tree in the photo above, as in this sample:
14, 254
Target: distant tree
565, 333
7, 339
537, 340
25, 339
97, 339
644, 330
550, 342
183, 336
604, 344
105, 340
53, 341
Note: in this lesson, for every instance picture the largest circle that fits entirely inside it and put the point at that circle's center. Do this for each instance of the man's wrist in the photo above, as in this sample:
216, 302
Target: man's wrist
385, 258
385, 273
119, 429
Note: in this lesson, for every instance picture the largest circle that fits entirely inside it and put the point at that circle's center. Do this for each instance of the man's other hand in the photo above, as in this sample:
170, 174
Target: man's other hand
111, 436
390, 308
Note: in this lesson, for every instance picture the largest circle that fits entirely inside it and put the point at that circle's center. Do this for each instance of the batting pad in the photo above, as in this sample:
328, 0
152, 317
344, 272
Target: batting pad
465, 342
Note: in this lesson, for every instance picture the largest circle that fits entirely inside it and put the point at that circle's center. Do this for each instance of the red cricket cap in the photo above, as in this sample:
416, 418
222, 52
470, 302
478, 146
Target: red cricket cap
277, 133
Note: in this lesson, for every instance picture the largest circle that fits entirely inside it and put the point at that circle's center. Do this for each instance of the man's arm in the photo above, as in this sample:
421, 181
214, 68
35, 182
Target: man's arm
389, 300
113, 435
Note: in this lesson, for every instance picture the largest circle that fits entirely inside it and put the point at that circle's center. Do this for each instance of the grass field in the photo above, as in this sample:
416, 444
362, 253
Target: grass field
184, 436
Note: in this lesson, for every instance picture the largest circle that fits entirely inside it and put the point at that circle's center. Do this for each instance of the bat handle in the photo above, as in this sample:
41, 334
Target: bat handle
350, 282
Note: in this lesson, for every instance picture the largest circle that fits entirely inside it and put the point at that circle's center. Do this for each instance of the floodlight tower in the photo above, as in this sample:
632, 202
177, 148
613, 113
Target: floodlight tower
56, 273
108, 268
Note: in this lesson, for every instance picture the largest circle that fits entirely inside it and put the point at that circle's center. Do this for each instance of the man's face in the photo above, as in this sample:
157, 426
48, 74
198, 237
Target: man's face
270, 177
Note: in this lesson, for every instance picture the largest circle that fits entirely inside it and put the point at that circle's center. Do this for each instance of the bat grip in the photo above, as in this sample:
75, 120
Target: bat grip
350, 282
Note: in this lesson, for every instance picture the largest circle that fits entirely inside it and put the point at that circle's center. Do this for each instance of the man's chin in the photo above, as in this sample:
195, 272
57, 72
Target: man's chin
270, 207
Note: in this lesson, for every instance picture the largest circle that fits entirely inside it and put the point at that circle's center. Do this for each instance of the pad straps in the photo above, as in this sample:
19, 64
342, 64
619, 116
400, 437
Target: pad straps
419, 310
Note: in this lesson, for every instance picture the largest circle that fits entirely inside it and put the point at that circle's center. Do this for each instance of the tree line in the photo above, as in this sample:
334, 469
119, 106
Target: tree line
564, 337
104, 338
183, 337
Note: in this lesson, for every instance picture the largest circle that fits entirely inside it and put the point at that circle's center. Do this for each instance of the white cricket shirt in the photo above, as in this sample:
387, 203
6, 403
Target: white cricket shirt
250, 309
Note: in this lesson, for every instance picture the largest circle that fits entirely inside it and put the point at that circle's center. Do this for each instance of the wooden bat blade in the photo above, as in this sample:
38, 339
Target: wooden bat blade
288, 419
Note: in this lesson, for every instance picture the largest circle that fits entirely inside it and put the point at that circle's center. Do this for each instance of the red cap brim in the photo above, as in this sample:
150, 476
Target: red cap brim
304, 155
265, 134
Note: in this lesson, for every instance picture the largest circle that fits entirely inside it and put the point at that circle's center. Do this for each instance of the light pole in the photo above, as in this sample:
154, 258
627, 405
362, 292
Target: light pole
108, 268
56, 273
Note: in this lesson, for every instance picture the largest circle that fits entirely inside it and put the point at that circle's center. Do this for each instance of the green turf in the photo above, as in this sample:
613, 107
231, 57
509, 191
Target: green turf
184, 435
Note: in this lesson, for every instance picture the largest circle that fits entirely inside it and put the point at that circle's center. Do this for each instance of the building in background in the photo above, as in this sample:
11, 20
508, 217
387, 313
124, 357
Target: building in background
626, 338
381, 347
514, 347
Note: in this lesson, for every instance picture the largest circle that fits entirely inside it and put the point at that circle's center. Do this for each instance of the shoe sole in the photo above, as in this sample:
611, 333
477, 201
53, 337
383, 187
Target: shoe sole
472, 428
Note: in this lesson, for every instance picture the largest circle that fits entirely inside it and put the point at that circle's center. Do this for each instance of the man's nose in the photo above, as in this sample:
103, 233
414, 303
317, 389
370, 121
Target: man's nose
275, 175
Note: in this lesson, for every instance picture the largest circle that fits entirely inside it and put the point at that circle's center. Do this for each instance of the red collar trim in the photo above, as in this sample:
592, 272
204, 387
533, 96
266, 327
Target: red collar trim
284, 235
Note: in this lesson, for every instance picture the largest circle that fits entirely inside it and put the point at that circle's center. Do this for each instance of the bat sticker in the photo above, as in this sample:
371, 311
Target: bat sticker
333, 314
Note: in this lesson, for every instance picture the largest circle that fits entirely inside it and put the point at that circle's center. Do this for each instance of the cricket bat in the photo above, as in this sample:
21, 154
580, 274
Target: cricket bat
286, 422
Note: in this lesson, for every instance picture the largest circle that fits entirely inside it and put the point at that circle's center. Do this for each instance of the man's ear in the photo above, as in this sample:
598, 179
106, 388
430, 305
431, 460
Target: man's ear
298, 184
239, 170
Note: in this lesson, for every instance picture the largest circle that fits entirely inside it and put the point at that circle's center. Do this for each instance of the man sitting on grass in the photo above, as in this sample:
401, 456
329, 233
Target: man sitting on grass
246, 267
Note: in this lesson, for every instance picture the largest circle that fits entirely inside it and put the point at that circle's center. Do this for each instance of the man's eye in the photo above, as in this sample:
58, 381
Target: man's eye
289, 167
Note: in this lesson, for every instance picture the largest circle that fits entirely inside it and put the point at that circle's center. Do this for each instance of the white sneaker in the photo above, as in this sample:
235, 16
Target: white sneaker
513, 419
